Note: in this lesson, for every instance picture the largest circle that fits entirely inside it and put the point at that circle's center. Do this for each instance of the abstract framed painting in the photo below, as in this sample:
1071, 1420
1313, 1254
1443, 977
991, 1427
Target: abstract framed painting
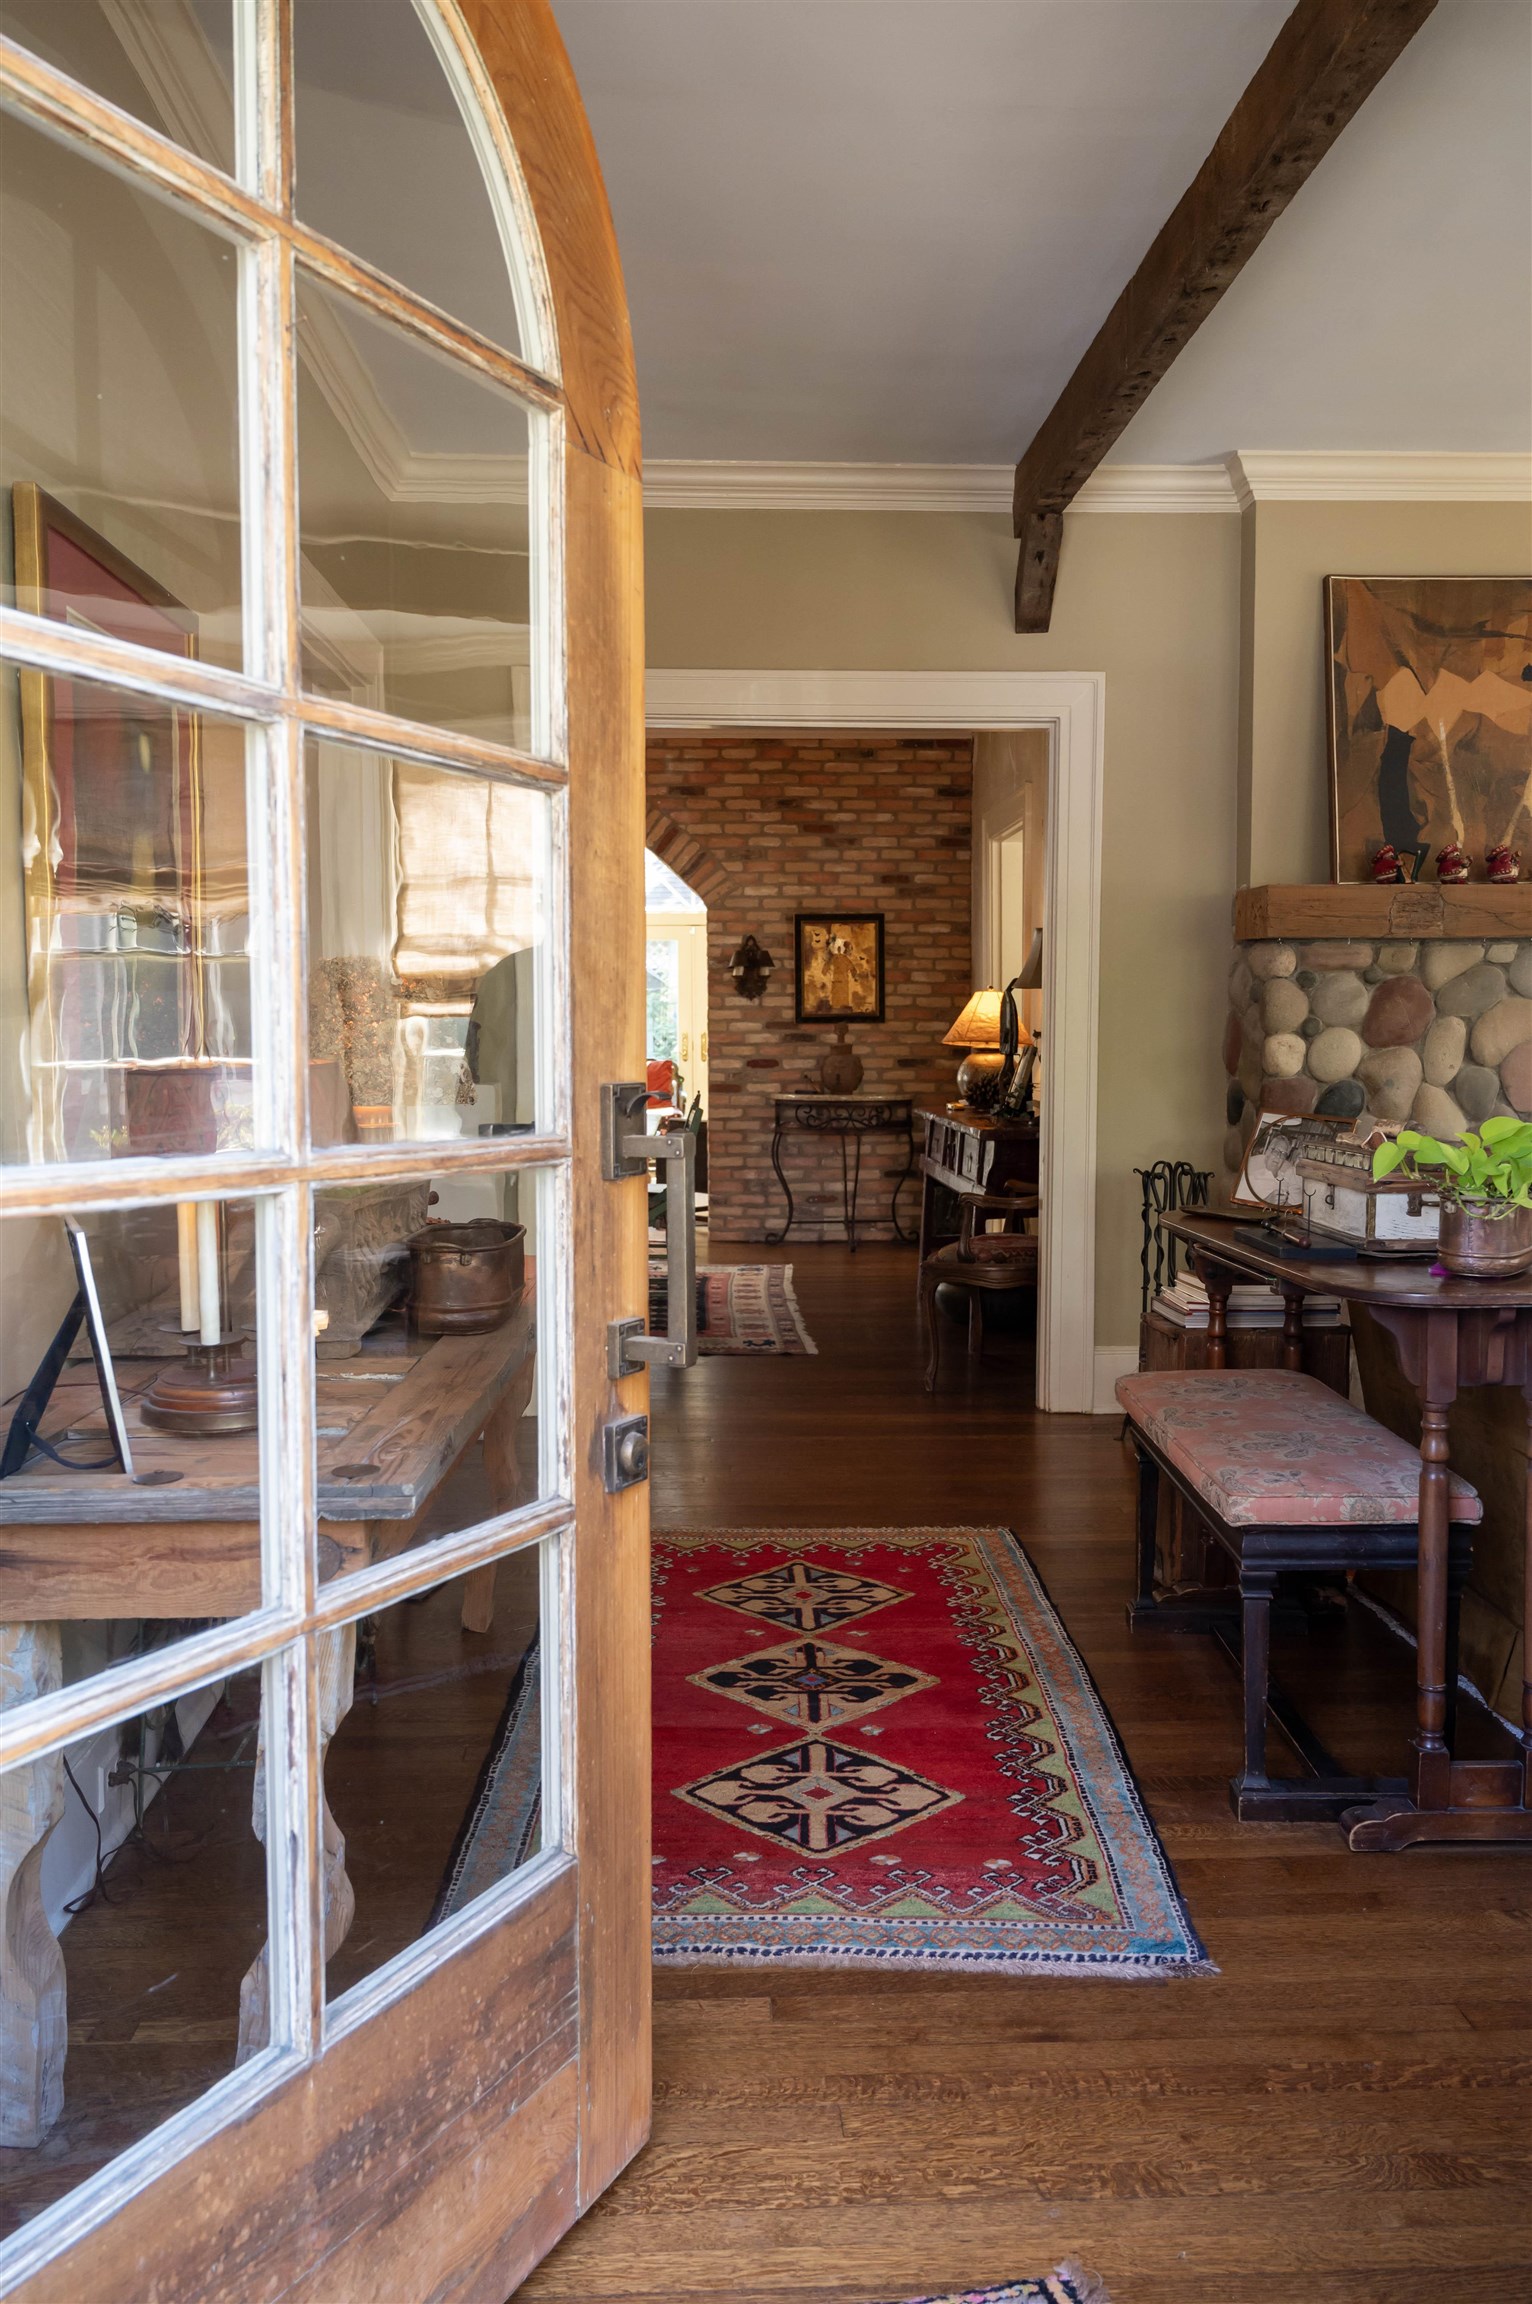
1429, 691
838, 966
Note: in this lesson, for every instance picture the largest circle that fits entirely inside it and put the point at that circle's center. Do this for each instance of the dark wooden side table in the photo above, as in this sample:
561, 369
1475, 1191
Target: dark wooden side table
963, 1151
850, 1118
1451, 1334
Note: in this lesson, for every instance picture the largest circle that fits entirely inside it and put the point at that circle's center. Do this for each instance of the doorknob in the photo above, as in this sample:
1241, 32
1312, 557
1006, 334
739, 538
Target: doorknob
625, 1152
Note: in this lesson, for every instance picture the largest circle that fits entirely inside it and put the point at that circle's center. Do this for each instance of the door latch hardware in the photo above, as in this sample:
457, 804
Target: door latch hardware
627, 1151
625, 1452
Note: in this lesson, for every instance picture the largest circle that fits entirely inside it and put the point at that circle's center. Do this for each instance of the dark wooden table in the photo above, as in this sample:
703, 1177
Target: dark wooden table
1451, 1334
849, 1118
963, 1151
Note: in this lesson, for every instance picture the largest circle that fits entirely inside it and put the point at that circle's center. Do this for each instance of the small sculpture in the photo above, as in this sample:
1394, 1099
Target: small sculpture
840, 1067
1452, 866
1503, 866
1386, 866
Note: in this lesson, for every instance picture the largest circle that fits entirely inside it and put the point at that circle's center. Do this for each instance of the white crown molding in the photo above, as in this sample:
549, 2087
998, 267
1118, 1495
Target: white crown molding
1348, 476
1248, 477
403, 474
672, 486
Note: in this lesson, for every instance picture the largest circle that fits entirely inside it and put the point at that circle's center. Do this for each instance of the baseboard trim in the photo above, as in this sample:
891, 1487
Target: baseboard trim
1112, 1361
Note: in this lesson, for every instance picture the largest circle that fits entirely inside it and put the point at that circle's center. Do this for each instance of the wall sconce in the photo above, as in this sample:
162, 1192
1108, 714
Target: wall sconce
751, 969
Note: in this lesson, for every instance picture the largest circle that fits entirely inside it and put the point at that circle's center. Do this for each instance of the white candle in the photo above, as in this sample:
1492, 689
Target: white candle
186, 1260
209, 1309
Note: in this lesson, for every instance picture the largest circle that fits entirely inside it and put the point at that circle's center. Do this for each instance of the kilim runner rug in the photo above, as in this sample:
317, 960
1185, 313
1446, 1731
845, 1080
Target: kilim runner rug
741, 1308
876, 1747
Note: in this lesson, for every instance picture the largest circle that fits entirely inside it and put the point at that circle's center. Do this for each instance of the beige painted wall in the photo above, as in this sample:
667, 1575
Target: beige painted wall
1151, 601
1289, 550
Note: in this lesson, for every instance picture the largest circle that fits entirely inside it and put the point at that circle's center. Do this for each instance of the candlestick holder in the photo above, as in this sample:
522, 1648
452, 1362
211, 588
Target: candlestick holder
211, 1391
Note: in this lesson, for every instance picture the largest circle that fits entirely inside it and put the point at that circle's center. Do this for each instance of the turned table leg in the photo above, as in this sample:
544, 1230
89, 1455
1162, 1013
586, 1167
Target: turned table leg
33, 2004
1218, 1279
1433, 1759
335, 1654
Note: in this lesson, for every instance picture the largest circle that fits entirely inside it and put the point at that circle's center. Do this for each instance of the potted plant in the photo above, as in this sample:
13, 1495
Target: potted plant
1484, 1180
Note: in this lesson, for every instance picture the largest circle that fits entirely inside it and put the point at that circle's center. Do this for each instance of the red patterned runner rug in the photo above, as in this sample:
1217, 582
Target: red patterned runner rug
876, 1747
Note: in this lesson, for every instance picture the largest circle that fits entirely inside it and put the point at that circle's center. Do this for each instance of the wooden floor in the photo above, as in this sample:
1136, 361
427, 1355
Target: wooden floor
1337, 2116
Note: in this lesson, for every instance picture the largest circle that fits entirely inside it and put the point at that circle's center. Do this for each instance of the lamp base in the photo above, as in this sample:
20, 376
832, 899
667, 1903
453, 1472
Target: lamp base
978, 1075
210, 1392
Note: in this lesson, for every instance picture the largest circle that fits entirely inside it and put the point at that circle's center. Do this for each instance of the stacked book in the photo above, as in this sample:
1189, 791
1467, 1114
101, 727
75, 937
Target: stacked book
1252, 1304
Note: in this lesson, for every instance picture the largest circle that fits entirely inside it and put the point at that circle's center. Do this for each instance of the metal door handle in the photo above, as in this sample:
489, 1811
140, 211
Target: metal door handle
625, 1153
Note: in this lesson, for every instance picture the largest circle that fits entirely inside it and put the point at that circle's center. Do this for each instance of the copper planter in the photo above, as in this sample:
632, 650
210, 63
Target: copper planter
466, 1278
1485, 1244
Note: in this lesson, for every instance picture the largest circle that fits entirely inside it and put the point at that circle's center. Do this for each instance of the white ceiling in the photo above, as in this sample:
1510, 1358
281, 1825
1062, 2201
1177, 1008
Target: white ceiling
885, 230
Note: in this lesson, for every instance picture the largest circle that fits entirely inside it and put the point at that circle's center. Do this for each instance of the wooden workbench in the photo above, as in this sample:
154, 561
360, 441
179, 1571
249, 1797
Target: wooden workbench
74, 1546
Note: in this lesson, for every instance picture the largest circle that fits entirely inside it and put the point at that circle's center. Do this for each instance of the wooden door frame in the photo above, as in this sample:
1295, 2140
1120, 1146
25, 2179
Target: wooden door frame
1071, 707
500, 2087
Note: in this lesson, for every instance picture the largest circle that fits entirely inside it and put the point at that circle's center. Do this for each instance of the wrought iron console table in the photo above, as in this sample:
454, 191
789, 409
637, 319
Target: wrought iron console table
850, 1118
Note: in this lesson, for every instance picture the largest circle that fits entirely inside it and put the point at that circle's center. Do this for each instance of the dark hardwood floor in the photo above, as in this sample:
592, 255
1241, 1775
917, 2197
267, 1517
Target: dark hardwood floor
1338, 2117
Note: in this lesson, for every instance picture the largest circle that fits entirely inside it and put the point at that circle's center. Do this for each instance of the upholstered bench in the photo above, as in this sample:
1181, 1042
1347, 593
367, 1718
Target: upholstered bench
1287, 1477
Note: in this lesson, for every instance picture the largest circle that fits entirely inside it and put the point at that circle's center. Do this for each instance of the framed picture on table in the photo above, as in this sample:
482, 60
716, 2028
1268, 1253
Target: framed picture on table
838, 967
1268, 1177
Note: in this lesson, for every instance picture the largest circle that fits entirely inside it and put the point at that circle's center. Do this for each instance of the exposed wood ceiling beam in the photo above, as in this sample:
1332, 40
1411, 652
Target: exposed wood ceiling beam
1323, 64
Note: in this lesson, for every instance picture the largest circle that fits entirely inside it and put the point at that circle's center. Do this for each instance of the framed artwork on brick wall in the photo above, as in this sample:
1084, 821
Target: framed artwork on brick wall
838, 967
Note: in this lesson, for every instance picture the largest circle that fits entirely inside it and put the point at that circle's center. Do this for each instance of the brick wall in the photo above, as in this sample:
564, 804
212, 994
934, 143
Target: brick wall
766, 826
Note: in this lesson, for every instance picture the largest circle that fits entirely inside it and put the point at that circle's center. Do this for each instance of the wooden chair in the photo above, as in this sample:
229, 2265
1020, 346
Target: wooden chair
982, 1262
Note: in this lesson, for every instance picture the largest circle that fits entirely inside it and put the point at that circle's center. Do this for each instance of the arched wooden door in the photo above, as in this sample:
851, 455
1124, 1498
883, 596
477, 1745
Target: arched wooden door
322, 899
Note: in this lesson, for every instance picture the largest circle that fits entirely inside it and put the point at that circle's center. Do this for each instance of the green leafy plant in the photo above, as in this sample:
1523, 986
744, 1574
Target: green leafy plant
1489, 1167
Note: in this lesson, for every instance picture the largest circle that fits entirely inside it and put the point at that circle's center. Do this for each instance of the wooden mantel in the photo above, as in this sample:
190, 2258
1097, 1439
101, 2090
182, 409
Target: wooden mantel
1321, 911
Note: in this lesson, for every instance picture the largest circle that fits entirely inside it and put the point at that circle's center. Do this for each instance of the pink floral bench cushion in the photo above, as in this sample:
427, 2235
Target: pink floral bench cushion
1269, 1445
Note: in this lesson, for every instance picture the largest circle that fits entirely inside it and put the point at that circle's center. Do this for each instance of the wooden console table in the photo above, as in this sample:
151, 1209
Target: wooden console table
963, 1151
1451, 1334
90, 1545
850, 1118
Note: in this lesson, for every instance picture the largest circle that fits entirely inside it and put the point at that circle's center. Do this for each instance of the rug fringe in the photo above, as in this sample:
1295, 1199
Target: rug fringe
1084, 2287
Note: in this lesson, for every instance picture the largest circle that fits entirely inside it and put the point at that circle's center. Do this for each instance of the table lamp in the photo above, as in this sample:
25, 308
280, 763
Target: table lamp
977, 1033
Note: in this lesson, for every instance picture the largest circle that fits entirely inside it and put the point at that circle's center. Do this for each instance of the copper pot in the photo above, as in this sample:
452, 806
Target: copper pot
1485, 1242
466, 1278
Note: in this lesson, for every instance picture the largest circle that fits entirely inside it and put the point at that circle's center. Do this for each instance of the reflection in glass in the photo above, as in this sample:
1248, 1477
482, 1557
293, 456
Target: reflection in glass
135, 1905
416, 569
168, 62
434, 1778
124, 963
425, 1376
386, 164
427, 903
117, 404
129, 1411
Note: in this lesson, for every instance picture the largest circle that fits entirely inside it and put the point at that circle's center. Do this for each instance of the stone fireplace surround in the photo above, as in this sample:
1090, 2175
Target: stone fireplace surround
1410, 1004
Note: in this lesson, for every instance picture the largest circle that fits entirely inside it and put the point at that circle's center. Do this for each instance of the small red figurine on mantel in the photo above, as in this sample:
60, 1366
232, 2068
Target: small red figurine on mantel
1503, 866
1452, 866
1386, 867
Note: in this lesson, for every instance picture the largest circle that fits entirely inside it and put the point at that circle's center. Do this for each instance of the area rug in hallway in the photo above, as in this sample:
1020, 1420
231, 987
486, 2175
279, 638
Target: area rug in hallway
1068, 2285
877, 1748
743, 1308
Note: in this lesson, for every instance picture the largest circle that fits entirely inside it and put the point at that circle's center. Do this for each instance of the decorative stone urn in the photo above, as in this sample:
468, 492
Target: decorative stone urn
840, 1067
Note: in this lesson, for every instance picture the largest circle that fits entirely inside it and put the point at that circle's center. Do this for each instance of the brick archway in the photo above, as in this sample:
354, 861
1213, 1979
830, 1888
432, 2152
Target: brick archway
687, 858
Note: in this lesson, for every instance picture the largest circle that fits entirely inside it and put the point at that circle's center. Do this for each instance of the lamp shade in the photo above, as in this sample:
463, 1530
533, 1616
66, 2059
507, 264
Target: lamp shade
1031, 977
979, 1024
